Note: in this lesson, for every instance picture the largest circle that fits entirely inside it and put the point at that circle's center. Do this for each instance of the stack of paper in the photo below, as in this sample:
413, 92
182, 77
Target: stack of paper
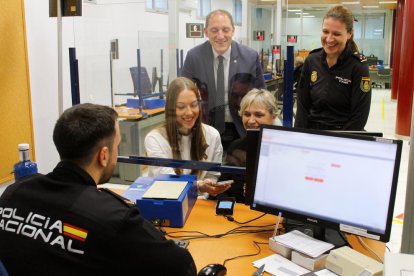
303, 243
278, 265
165, 189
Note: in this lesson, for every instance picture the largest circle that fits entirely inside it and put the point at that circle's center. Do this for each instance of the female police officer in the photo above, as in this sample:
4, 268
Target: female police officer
335, 91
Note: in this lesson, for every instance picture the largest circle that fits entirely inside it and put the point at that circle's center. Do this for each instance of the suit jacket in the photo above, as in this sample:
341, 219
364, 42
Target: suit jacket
199, 63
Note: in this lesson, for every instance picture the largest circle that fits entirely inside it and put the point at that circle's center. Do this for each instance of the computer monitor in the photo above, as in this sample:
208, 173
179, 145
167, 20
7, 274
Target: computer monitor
360, 132
252, 137
339, 181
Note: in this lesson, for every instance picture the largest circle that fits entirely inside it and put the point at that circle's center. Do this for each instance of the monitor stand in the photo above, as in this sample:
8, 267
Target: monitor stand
317, 232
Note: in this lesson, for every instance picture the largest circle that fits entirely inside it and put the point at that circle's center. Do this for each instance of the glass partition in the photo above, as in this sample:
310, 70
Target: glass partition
371, 34
153, 58
108, 34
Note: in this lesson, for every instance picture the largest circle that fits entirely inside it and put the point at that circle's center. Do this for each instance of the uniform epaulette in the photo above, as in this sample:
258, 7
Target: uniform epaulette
315, 50
126, 201
359, 56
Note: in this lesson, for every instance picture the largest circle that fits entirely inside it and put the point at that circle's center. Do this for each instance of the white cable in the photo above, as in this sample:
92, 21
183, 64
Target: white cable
361, 241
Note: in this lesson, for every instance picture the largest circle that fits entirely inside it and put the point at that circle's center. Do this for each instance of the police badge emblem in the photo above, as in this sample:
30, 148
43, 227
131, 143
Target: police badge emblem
365, 84
314, 76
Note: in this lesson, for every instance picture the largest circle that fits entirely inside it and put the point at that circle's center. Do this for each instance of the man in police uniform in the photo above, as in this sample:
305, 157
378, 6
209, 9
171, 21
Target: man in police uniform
61, 224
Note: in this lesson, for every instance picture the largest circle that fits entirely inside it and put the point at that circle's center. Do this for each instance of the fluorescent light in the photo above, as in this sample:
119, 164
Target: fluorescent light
388, 2
351, 3
370, 7
378, 30
304, 13
294, 10
308, 16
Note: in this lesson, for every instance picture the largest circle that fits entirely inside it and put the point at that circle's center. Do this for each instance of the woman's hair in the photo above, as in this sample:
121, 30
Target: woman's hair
344, 15
299, 61
198, 140
261, 97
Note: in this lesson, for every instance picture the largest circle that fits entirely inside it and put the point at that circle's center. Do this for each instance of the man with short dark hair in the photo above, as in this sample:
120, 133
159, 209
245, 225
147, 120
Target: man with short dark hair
61, 224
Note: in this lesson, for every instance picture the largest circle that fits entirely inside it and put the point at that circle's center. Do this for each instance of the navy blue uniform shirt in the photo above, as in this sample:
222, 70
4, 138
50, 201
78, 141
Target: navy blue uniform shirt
61, 224
334, 98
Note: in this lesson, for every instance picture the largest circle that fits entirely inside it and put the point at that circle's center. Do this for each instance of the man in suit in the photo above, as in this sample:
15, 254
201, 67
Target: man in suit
203, 63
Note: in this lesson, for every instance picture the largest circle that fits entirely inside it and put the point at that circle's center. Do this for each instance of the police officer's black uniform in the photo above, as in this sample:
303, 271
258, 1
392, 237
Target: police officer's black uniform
61, 224
336, 98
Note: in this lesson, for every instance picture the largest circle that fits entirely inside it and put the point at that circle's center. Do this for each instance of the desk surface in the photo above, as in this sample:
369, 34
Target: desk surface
134, 114
216, 250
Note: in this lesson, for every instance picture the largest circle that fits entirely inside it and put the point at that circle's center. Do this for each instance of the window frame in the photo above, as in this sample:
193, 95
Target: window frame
156, 6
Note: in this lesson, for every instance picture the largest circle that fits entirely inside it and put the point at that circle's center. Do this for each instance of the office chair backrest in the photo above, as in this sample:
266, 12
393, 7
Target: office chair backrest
146, 86
372, 60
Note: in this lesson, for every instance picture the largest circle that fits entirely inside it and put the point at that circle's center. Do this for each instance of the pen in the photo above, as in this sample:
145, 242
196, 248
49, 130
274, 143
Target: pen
277, 223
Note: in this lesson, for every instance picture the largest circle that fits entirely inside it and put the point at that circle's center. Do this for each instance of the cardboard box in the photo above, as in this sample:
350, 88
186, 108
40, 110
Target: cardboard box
309, 262
280, 248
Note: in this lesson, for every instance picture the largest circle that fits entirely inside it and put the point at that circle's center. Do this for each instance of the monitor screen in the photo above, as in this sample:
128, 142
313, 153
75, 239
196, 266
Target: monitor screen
339, 181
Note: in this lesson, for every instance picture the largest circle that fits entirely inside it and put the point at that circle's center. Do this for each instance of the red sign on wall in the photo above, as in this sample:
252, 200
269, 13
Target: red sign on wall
259, 35
292, 38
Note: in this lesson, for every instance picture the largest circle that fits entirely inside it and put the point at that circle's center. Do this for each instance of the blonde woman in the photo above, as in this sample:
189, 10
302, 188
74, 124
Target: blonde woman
258, 107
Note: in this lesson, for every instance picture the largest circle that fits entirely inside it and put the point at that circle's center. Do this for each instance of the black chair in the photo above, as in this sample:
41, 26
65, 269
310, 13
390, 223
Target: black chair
375, 80
384, 76
146, 85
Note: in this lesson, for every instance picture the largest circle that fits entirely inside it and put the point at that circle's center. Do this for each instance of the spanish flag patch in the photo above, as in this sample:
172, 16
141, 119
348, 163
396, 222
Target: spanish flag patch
74, 232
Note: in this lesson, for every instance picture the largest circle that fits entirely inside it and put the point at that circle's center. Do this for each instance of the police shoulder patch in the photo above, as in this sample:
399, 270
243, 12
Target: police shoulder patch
365, 84
314, 76
359, 56
126, 201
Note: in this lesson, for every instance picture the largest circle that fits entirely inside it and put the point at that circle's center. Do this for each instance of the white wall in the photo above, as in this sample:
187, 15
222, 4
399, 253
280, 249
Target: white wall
90, 34
42, 54
311, 38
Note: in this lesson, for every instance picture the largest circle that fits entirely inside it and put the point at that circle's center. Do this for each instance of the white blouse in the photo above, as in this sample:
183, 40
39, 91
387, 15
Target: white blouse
156, 145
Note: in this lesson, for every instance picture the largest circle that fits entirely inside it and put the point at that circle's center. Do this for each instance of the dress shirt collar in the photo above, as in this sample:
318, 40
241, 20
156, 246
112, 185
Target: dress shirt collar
226, 54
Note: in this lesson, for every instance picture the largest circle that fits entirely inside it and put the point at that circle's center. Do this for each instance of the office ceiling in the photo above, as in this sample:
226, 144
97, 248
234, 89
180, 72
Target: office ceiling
359, 6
